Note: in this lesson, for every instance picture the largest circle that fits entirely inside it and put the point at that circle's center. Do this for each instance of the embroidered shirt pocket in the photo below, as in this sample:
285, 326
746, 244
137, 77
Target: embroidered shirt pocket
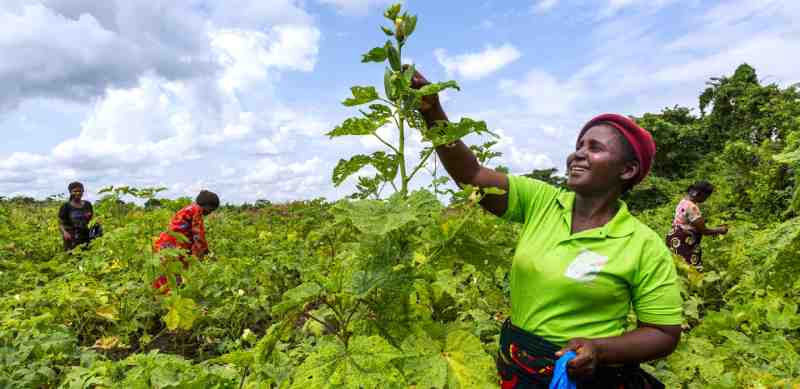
586, 266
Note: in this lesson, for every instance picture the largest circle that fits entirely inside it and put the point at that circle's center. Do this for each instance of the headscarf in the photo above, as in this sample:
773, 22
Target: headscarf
644, 148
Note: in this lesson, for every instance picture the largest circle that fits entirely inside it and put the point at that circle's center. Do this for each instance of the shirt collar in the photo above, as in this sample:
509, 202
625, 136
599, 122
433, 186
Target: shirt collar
621, 225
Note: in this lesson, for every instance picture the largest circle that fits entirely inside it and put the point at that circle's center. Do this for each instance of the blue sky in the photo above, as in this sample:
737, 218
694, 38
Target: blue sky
236, 96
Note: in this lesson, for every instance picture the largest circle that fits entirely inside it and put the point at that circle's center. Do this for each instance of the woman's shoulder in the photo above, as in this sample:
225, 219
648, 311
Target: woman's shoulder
534, 187
651, 241
190, 210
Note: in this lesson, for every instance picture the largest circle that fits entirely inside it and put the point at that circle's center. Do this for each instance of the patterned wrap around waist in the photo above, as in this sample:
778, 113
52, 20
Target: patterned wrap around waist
526, 361
686, 243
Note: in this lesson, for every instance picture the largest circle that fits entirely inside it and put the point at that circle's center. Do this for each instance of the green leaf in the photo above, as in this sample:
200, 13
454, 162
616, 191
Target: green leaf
361, 95
365, 281
347, 167
386, 164
437, 87
711, 370
394, 57
388, 87
365, 363
728, 380
379, 113
788, 157
297, 297
377, 54
736, 338
408, 73
795, 202
459, 362
690, 307
380, 217
444, 133
182, 312
356, 126
409, 24
392, 12
786, 318
387, 31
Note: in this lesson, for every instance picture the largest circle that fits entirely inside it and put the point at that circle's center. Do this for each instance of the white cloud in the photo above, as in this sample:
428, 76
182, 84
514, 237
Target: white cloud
356, 7
62, 50
545, 5
254, 15
267, 170
179, 130
613, 7
474, 66
528, 160
248, 55
544, 94
767, 53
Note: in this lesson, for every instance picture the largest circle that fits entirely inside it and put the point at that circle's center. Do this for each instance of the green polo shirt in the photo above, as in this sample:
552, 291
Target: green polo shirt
566, 285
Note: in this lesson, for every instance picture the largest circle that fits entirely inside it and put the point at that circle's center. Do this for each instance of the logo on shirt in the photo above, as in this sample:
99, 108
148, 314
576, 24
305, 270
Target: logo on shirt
586, 266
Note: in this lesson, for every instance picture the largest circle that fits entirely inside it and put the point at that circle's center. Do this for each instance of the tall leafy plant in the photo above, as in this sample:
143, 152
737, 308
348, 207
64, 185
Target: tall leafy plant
397, 108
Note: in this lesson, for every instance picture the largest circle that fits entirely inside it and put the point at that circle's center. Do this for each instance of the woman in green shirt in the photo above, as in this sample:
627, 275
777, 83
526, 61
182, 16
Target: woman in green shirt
582, 261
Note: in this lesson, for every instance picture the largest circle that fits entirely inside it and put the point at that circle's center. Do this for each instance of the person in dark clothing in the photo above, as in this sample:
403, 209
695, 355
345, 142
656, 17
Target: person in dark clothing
74, 217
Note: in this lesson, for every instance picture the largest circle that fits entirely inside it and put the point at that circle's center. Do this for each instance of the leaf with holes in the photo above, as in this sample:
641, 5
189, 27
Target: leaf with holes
361, 95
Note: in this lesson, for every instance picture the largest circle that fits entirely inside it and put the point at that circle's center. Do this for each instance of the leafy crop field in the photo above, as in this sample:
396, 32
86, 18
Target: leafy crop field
397, 293
399, 290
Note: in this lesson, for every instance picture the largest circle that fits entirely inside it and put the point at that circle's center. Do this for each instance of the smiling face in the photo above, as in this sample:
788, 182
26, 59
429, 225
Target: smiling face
600, 163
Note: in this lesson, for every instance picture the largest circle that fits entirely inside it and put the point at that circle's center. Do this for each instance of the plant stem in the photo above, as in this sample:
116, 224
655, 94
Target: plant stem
421, 164
389, 145
403, 175
401, 126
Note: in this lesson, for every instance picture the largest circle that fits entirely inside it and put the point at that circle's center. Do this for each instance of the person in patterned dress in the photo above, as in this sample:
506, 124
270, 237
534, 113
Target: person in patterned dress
688, 226
187, 222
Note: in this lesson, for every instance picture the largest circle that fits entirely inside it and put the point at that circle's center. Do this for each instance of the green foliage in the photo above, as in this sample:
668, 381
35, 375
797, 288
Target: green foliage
549, 176
181, 312
457, 361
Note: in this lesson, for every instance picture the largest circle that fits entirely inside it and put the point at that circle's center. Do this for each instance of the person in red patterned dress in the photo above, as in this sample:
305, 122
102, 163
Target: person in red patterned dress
189, 223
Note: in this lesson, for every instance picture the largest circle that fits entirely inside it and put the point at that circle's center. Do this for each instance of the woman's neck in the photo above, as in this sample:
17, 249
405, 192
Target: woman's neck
76, 202
593, 211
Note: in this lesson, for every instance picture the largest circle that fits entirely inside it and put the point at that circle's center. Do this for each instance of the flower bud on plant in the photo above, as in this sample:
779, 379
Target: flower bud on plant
398, 29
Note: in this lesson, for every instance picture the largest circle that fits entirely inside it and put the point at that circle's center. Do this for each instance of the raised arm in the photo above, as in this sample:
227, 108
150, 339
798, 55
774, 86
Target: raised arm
459, 161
